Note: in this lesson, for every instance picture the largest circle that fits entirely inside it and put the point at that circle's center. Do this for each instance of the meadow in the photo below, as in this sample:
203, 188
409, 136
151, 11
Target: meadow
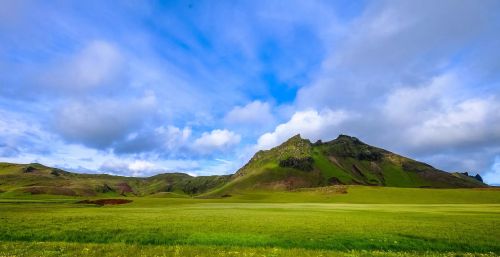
366, 221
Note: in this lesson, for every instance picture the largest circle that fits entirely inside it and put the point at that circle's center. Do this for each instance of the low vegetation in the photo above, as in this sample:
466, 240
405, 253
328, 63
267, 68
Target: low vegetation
328, 221
295, 164
338, 198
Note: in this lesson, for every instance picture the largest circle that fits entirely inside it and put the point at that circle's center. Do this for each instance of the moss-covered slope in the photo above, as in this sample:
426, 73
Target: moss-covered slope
299, 163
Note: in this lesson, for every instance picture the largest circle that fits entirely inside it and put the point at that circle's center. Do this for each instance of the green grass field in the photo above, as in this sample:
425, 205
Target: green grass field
367, 221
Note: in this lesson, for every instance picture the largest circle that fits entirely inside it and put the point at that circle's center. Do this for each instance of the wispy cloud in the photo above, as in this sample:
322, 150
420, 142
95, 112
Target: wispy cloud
178, 85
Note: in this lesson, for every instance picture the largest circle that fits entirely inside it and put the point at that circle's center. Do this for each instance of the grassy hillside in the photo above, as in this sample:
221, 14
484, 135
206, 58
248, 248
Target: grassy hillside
298, 163
33, 179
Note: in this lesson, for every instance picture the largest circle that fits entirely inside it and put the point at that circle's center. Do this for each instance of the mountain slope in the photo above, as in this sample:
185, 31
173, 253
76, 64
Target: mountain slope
35, 178
299, 163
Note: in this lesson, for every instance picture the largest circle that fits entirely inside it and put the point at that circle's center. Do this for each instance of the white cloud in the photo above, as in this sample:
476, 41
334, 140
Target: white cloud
434, 116
101, 122
406, 105
95, 64
175, 137
216, 140
400, 32
310, 124
167, 140
367, 53
21, 135
255, 113
135, 168
493, 177
140, 165
217, 167
398, 42
98, 63
466, 122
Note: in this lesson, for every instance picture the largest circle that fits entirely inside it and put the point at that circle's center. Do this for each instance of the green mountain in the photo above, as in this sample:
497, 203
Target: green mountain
297, 163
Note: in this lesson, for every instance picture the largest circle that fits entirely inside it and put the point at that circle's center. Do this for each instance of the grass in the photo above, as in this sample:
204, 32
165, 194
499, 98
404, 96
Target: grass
367, 221
330, 170
120, 249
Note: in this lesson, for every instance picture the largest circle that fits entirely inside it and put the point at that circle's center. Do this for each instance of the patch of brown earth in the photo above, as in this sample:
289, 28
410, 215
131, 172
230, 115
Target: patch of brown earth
102, 202
288, 183
375, 168
335, 161
124, 188
58, 190
36, 190
336, 189
491, 188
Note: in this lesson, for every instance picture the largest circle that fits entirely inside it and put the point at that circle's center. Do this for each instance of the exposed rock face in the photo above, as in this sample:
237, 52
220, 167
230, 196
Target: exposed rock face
124, 188
344, 160
304, 164
476, 177
55, 172
29, 169
297, 163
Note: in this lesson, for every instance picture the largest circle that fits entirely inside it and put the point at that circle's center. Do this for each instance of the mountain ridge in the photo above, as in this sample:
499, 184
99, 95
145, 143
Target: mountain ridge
296, 163
346, 160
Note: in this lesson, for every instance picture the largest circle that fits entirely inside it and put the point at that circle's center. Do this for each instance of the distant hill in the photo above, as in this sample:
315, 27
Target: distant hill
39, 179
297, 163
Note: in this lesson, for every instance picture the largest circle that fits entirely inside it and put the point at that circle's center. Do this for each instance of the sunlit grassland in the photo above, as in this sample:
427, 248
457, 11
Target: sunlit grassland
402, 222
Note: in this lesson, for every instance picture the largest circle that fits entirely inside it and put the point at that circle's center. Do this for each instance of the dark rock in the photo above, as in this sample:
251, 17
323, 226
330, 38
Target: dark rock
105, 188
304, 164
334, 181
369, 156
354, 140
55, 172
319, 142
476, 177
28, 169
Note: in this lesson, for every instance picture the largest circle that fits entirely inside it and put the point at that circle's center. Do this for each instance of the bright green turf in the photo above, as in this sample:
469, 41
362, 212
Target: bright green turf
367, 221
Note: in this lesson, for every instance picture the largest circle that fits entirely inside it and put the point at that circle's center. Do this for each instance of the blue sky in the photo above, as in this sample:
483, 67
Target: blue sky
141, 87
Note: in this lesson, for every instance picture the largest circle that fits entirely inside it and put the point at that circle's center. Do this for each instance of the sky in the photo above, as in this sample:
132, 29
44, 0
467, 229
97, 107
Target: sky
137, 88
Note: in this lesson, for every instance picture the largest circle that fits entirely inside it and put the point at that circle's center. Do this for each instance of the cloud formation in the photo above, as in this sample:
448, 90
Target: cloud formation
311, 124
100, 123
493, 176
437, 116
97, 64
137, 168
178, 86
216, 140
256, 113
